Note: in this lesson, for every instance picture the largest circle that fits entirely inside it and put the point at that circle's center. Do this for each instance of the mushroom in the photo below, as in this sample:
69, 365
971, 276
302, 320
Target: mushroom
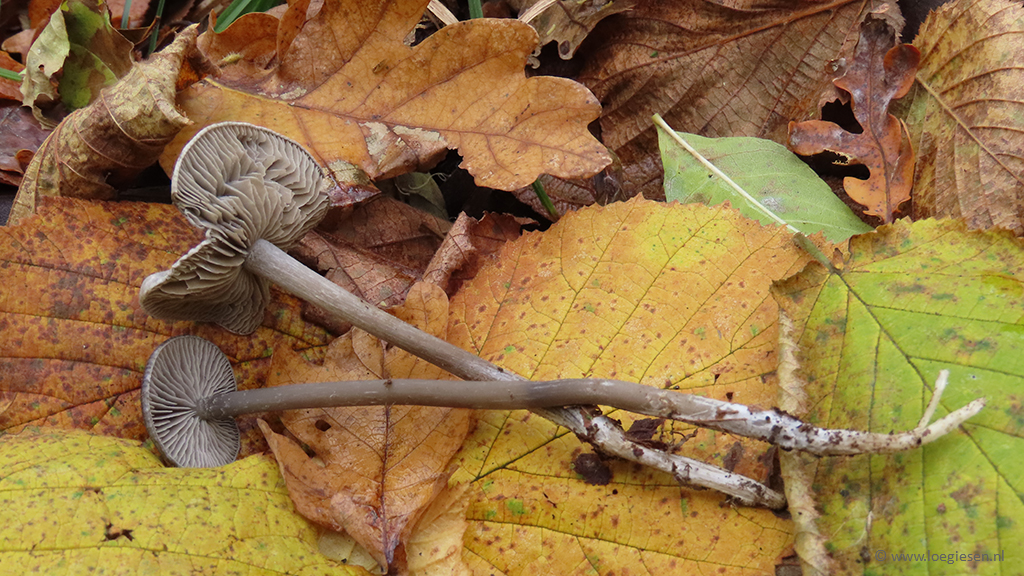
189, 401
256, 193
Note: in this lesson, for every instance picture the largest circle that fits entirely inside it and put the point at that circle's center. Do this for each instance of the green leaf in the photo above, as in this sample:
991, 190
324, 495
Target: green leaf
909, 301
74, 503
768, 172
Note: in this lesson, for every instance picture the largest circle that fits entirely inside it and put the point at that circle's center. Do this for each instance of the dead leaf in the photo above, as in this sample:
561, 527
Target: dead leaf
76, 340
99, 147
567, 22
20, 137
343, 83
879, 72
742, 68
376, 250
569, 195
962, 115
137, 13
376, 469
469, 245
10, 89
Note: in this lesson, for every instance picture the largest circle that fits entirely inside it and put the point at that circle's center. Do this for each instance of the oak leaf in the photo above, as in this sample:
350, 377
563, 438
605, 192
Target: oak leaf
961, 114
874, 332
76, 340
742, 68
878, 73
376, 468
75, 502
106, 144
670, 296
342, 82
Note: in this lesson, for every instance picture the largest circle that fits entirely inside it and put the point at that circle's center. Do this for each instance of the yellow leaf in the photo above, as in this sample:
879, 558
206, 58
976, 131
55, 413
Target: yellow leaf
347, 87
71, 502
670, 296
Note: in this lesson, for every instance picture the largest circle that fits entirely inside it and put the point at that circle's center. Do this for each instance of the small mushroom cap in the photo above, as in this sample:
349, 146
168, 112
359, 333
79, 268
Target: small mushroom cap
180, 372
240, 183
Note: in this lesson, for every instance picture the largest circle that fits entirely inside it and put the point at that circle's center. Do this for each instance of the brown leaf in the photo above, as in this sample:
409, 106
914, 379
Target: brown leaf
20, 137
376, 469
963, 114
75, 338
878, 73
343, 83
569, 195
742, 68
469, 245
376, 250
566, 22
10, 89
99, 147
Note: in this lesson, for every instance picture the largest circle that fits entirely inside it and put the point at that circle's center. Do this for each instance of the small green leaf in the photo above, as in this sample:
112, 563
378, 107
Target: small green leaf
767, 172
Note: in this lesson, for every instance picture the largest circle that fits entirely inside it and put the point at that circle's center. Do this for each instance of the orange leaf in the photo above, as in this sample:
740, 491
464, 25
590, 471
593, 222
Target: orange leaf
75, 339
879, 73
376, 469
347, 87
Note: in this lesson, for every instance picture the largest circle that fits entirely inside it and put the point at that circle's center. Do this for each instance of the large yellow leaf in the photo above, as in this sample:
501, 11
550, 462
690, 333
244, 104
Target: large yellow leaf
75, 340
74, 503
670, 296
342, 82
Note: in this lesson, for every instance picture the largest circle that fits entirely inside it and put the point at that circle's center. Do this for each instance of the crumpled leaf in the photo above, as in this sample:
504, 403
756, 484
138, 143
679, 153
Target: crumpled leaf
766, 171
100, 147
76, 55
879, 72
907, 302
742, 68
962, 115
10, 89
76, 340
106, 506
343, 83
470, 244
667, 295
376, 468
567, 22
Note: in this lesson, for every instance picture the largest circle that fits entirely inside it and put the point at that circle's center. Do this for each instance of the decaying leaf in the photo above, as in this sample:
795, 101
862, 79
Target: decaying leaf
76, 340
878, 73
668, 295
77, 54
470, 243
20, 137
10, 89
376, 250
962, 115
342, 82
567, 22
376, 469
742, 68
99, 147
74, 502
907, 302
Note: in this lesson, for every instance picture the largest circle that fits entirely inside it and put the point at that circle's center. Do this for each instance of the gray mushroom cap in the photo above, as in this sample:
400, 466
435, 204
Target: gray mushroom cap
180, 372
240, 183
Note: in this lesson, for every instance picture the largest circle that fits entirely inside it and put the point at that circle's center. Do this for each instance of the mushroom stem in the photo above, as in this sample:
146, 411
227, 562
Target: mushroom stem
272, 263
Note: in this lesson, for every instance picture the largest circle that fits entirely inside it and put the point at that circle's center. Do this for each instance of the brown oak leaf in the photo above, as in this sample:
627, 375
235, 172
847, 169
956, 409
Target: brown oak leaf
879, 73
339, 79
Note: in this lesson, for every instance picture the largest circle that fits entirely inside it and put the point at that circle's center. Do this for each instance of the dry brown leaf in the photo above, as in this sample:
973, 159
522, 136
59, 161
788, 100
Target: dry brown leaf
743, 68
469, 244
567, 22
879, 72
376, 469
963, 114
107, 143
20, 137
342, 82
75, 340
569, 195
